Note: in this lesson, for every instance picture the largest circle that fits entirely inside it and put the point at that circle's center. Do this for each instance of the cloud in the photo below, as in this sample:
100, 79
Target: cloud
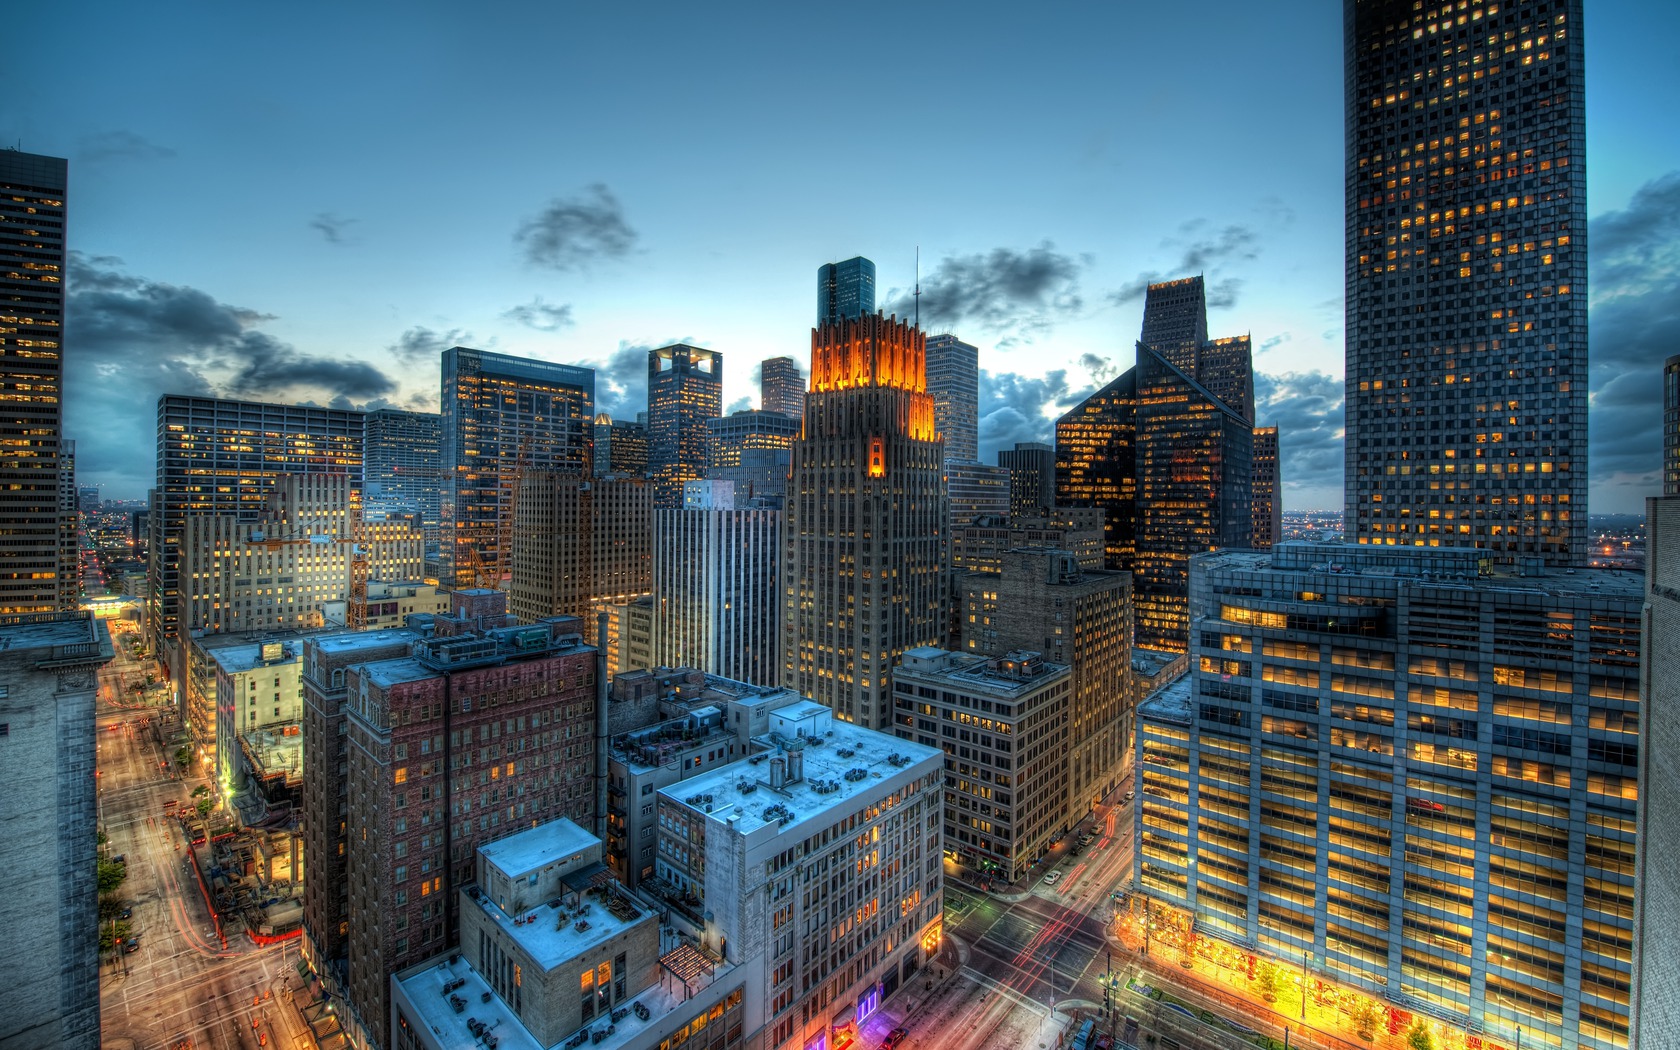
1635, 325
541, 316
1234, 243
621, 379
119, 146
572, 234
334, 228
1274, 342
136, 339
1017, 293
1016, 408
740, 404
1306, 407
421, 345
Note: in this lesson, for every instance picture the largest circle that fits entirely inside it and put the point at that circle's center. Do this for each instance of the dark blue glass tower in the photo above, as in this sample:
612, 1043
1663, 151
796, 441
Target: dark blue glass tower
845, 290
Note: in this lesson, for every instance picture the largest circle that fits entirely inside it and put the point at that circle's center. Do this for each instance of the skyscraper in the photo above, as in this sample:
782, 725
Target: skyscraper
1466, 216
1175, 321
1267, 489
1096, 464
620, 447
1415, 783
579, 543
685, 390
781, 387
753, 450
1655, 999
402, 467
717, 584
953, 378
503, 415
1671, 427
1032, 476
845, 290
49, 895
866, 530
32, 214
222, 457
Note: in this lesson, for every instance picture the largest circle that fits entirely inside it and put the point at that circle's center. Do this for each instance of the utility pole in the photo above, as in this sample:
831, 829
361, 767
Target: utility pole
1303, 987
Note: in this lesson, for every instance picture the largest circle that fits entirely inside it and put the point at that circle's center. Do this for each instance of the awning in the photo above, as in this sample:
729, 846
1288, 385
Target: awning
685, 962
596, 874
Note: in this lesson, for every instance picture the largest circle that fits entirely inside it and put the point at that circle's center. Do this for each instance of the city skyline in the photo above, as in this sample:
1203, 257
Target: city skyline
577, 259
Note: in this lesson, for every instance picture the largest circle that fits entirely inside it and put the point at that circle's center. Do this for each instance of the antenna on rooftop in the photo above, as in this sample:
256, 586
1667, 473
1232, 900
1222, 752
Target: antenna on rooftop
918, 295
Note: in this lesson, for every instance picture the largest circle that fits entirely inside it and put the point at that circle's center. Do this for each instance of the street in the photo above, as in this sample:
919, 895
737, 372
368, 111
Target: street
182, 986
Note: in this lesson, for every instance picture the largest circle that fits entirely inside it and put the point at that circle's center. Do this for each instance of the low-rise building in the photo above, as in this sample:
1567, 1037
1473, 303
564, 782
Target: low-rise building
258, 687
1003, 727
387, 604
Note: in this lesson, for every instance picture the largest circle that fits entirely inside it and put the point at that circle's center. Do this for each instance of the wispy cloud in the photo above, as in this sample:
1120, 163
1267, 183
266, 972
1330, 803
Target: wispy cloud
1005, 291
541, 316
571, 234
421, 345
335, 229
1199, 251
109, 146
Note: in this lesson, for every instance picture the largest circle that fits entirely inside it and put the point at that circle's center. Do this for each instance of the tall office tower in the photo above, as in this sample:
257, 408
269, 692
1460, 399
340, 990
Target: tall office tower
781, 387
32, 214
685, 391
1671, 427
620, 447
216, 456
328, 660
845, 290
1032, 477
996, 824
1267, 490
1175, 321
501, 416
284, 570
402, 467
1096, 464
1655, 1002
741, 432
69, 527
1467, 278
976, 491
1172, 467
49, 899
1042, 600
421, 801
1195, 478
1416, 782
867, 519
1225, 366
579, 543
981, 546
953, 378
717, 584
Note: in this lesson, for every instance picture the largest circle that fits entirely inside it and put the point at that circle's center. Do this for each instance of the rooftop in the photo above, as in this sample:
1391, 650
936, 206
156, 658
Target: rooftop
350, 641
845, 762
1008, 676
386, 673
425, 989
55, 638
273, 751
239, 658
1172, 702
1438, 567
530, 849
560, 929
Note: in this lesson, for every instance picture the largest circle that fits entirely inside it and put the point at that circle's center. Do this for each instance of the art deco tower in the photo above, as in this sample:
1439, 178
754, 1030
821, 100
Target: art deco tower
1466, 213
866, 526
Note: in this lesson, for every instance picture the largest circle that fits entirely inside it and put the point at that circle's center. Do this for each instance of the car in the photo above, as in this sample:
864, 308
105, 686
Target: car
1052, 878
1130, 795
894, 1037
126, 913
120, 859
131, 945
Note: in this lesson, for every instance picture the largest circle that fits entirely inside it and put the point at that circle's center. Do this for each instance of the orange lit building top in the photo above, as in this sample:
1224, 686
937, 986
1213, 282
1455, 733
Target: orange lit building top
872, 350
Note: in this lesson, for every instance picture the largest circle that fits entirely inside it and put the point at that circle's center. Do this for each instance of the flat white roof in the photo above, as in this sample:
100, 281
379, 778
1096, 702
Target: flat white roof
532, 848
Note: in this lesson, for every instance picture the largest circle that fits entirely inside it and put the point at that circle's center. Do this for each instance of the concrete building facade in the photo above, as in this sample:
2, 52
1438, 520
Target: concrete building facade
1032, 477
1419, 779
1655, 992
402, 468
580, 543
781, 387
49, 897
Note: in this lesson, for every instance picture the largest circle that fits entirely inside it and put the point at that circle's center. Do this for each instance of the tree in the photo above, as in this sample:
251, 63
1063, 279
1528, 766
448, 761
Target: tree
1366, 1017
205, 806
1418, 1037
183, 756
108, 937
1267, 980
111, 875
200, 791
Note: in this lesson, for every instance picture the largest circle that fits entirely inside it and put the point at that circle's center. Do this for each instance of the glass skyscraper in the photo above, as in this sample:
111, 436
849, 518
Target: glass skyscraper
845, 290
503, 415
953, 378
37, 565
1466, 216
402, 467
685, 392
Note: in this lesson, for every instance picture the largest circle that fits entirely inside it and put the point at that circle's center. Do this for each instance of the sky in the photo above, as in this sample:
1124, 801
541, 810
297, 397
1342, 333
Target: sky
308, 202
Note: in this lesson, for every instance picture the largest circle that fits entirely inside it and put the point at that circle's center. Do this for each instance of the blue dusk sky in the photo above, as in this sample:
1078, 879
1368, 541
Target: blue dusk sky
307, 202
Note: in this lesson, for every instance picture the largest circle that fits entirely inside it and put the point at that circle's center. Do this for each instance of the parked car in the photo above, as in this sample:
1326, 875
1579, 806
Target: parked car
131, 945
1130, 795
126, 913
894, 1037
